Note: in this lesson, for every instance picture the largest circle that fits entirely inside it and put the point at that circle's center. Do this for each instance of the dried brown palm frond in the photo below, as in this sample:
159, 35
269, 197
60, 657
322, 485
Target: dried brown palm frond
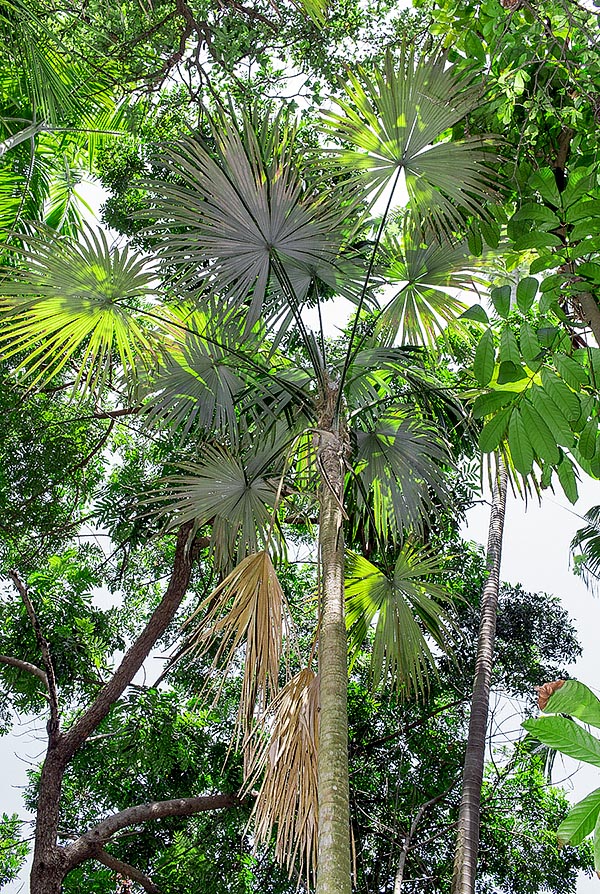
287, 799
248, 606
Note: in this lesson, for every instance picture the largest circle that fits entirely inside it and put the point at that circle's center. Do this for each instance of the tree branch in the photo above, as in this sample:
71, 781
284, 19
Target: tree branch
130, 871
139, 650
54, 723
25, 666
92, 842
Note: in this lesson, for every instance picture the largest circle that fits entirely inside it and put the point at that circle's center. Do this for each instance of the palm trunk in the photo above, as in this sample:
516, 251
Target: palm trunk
467, 846
333, 849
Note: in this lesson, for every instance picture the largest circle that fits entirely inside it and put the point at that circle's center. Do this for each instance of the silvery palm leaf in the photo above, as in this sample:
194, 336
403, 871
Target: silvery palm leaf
396, 120
244, 211
405, 607
235, 491
80, 303
203, 374
399, 471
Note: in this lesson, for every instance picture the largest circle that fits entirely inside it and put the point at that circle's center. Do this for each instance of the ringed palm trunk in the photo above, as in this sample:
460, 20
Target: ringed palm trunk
467, 846
333, 848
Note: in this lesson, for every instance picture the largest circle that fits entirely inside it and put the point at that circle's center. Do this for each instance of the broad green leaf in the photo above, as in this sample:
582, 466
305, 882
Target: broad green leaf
583, 210
587, 439
544, 182
501, 300
568, 479
493, 431
590, 271
530, 346
475, 242
520, 445
587, 227
510, 372
485, 358
490, 232
544, 262
540, 436
537, 240
475, 312
526, 292
554, 281
538, 213
577, 699
565, 736
580, 820
561, 394
553, 416
509, 349
572, 372
489, 403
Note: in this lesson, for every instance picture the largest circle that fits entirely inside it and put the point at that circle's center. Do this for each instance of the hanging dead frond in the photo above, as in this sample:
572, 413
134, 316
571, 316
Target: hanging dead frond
287, 801
249, 607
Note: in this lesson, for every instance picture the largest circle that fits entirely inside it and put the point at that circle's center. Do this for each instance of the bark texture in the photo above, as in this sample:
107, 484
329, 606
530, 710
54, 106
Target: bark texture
465, 860
333, 849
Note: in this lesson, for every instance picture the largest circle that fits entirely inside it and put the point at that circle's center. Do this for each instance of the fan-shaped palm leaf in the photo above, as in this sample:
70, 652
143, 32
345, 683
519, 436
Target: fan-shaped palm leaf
202, 373
398, 472
585, 547
405, 609
249, 608
243, 211
287, 801
395, 119
419, 310
76, 302
236, 491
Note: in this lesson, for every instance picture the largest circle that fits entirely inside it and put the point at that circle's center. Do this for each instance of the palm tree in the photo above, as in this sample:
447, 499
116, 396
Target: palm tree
249, 233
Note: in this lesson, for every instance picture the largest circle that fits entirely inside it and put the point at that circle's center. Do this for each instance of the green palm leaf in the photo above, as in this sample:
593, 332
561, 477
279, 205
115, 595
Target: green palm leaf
244, 212
79, 303
427, 273
405, 609
399, 473
395, 119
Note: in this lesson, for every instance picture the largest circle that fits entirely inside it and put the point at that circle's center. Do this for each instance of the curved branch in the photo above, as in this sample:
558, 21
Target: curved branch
139, 650
92, 842
54, 722
125, 869
25, 666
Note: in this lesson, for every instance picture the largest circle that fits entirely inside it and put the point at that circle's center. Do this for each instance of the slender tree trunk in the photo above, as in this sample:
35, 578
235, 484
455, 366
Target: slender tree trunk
333, 849
467, 846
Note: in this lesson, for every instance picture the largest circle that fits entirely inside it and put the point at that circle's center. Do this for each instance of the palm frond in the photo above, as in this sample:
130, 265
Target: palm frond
401, 463
247, 608
76, 302
427, 275
233, 489
397, 119
242, 212
287, 801
585, 548
405, 610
